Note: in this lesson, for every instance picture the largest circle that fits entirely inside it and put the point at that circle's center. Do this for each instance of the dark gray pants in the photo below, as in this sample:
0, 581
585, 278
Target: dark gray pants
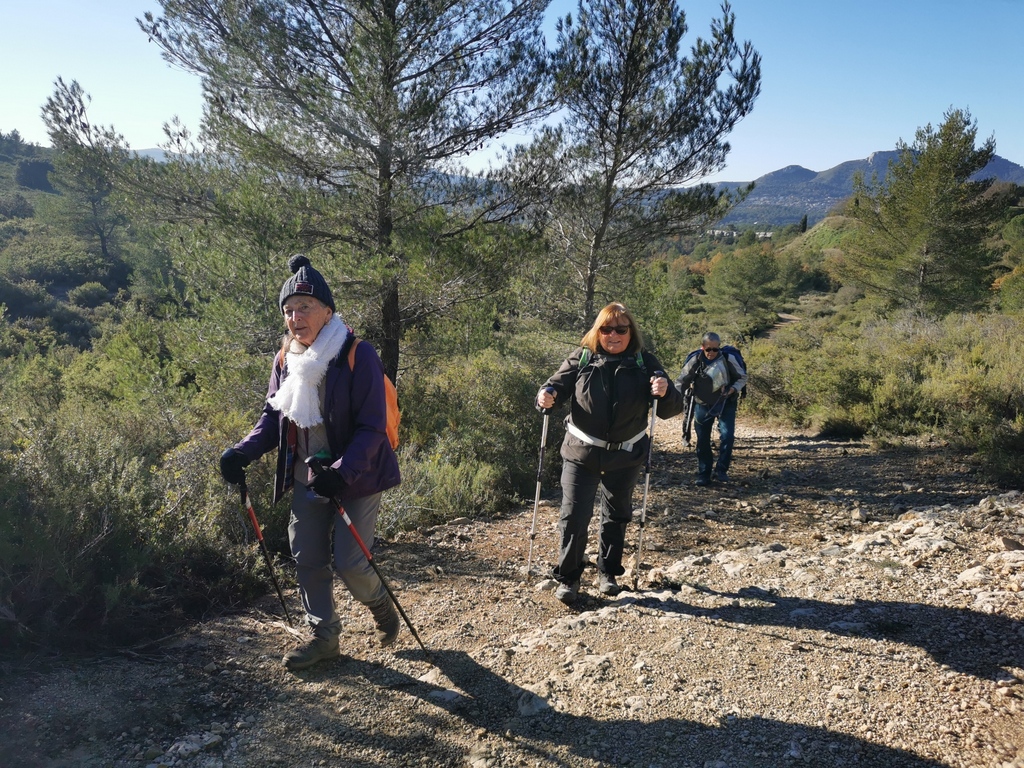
579, 491
314, 523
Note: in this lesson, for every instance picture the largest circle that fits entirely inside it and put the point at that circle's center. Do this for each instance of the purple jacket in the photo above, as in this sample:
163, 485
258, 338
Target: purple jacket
355, 417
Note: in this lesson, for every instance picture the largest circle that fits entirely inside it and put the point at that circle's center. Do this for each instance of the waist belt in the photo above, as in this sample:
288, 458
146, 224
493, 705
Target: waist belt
624, 446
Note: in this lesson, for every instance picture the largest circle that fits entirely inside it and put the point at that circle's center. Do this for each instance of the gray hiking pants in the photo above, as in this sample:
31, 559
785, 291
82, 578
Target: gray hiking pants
315, 525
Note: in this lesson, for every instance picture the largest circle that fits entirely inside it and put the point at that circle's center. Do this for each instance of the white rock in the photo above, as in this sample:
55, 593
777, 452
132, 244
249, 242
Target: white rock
864, 542
448, 695
928, 544
1005, 562
979, 574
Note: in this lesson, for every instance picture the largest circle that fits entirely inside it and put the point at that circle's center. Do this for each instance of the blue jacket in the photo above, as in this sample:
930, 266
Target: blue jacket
355, 417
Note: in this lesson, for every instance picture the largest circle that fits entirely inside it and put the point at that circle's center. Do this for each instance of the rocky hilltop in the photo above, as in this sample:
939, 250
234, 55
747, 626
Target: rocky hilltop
785, 196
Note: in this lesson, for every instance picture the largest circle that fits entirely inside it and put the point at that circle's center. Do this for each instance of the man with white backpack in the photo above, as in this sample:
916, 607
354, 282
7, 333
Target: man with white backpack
713, 376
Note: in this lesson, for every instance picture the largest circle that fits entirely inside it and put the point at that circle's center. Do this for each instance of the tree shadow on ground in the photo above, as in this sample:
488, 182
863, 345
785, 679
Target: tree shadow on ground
971, 642
511, 719
813, 468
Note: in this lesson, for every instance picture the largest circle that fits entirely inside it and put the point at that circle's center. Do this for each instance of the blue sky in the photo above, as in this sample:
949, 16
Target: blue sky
841, 79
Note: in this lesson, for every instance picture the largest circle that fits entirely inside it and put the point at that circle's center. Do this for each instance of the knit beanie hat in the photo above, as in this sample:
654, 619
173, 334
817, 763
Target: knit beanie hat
306, 281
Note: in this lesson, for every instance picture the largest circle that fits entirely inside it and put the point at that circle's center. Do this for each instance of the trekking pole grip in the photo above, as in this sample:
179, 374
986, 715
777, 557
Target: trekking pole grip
551, 391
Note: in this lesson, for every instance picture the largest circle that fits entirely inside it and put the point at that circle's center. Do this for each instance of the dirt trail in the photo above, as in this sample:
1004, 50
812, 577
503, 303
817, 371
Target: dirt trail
836, 604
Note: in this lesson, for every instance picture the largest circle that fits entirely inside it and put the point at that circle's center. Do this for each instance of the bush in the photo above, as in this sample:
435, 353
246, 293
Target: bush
958, 377
53, 260
441, 486
471, 454
114, 526
15, 206
34, 174
88, 295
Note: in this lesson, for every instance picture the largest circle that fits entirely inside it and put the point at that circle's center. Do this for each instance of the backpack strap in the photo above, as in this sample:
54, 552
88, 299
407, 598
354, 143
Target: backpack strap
585, 358
352, 353
348, 351
729, 351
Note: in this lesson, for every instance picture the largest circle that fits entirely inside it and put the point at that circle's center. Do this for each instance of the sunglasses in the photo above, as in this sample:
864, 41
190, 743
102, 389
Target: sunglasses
607, 330
713, 349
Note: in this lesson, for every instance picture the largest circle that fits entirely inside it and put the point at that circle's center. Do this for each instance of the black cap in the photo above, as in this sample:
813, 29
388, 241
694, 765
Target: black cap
305, 281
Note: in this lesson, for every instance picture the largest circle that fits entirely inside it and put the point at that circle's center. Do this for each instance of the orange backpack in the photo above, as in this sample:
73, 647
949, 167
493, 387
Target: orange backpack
394, 417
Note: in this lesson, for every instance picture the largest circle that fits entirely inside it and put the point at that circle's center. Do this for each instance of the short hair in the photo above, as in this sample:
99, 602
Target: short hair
709, 336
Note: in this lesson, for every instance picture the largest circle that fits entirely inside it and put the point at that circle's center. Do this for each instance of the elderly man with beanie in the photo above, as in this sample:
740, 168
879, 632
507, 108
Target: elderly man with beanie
317, 406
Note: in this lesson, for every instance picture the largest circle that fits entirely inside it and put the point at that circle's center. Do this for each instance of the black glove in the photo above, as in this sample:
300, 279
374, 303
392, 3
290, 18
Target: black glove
328, 483
232, 466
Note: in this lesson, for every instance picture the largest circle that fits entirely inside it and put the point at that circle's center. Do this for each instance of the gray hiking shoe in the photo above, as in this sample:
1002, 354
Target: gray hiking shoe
567, 592
607, 585
721, 476
385, 617
309, 653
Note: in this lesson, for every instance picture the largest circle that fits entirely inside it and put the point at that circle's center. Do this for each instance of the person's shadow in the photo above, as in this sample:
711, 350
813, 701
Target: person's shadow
975, 643
516, 722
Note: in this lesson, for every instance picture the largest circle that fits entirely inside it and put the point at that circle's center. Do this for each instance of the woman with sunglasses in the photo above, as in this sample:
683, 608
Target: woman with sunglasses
609, 382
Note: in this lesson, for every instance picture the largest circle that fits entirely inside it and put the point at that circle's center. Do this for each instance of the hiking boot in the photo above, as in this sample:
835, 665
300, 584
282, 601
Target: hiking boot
721, 476
385, 617
607, 585
702, 480
309, 653
567, 592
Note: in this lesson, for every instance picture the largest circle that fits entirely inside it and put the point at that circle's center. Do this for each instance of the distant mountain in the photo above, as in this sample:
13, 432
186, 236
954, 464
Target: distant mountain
786, 195
153, 154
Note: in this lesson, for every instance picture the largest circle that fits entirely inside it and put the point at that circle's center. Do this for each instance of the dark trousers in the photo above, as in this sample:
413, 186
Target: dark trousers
579, 491
703, 420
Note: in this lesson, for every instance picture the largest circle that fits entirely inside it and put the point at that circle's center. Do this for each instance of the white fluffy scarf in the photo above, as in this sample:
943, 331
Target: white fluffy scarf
299, 395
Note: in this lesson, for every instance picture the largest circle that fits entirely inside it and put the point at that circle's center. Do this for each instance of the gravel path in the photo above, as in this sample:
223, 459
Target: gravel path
837, 604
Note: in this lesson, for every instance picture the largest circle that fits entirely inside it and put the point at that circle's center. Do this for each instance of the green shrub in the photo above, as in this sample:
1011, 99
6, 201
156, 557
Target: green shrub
441, 486
14, 205
1001, 450
114, 526
959, 377
470, 433
88, 295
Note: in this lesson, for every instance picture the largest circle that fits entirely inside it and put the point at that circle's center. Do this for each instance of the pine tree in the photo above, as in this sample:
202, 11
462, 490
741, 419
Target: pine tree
641, 120
921, 241
363, 103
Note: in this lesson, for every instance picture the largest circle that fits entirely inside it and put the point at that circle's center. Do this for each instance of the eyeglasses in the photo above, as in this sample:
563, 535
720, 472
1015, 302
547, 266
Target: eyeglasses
298, 309
712, 349
607, 330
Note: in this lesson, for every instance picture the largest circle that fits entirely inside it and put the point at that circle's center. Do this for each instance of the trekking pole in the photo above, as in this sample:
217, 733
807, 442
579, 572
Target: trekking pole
647, 486
536, 498
247, 504
317, 466
688, 421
